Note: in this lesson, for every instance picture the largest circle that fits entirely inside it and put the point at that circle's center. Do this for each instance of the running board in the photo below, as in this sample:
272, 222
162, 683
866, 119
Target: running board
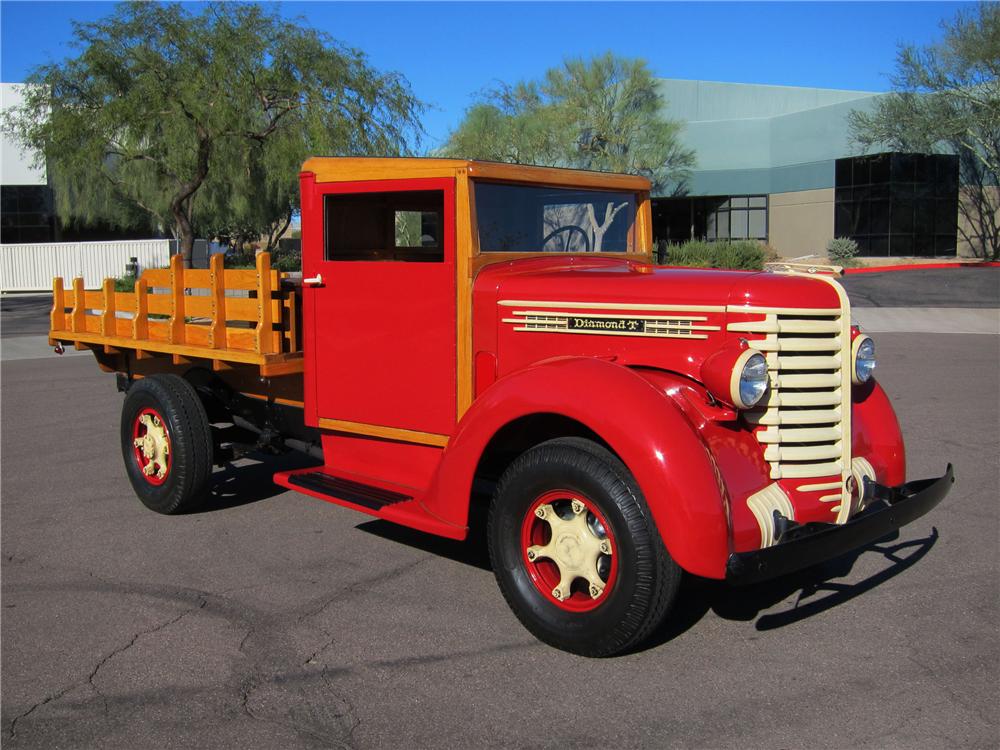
355, 493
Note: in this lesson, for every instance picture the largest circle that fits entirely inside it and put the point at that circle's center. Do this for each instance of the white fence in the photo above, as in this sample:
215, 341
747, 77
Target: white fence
31, 267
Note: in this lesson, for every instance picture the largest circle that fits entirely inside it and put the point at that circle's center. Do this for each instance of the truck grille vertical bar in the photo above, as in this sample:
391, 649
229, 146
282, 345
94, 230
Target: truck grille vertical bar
805, 419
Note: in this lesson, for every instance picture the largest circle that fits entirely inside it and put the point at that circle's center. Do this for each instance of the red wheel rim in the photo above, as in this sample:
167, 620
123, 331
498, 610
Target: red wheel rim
572, 551
151, 446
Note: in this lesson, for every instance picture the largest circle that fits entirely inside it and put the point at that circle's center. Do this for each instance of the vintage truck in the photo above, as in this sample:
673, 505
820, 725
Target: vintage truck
479, 336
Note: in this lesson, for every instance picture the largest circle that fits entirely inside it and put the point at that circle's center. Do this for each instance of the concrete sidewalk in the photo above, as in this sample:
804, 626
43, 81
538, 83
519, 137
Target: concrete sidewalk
927, 319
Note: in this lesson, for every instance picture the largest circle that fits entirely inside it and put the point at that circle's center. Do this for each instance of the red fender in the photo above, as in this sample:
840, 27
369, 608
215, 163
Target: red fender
644, 427
875, 434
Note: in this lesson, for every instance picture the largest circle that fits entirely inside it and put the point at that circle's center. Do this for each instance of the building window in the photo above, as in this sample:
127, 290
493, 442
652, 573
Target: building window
898, 204
738, 217
27, 214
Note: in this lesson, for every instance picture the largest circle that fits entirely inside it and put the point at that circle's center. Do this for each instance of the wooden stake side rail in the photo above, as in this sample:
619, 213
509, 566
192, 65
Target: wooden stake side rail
160, 316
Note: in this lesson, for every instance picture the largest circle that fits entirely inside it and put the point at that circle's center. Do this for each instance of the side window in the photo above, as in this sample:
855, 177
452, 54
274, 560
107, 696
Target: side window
401, 226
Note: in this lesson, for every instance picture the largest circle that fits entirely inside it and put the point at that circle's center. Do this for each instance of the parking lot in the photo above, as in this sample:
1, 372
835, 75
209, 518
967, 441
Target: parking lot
274, 620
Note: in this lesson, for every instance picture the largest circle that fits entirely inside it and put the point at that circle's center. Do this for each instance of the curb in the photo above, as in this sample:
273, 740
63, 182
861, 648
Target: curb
921, 267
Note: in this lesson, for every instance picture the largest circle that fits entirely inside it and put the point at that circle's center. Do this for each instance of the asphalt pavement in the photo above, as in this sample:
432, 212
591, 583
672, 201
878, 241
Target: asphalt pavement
274, 620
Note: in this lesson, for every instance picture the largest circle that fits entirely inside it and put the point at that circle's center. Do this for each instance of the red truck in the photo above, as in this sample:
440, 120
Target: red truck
468, 332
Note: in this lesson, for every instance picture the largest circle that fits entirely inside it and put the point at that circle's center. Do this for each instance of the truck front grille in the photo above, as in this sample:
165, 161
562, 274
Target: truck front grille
804, 422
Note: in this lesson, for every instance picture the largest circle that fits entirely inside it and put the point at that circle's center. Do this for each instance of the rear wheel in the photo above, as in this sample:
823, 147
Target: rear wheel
166, 443
575, 550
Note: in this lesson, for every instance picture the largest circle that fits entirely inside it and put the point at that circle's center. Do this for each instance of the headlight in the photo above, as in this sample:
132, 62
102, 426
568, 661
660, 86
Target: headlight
863, 357
749, 382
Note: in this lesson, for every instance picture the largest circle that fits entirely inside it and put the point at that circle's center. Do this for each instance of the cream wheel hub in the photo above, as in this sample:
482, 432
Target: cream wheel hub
573, 547
154, 446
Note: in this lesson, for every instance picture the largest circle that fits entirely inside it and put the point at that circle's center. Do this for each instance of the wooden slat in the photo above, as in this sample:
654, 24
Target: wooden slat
277, 307
92, 324
197, 278
125, 302
79, 306
159, 304
92, 338
57, 316
241, 308
217, 334
292, 322
197, 307
241, 278
157, 277
177, 296
264, 340
108, 316
93, 299
139, 322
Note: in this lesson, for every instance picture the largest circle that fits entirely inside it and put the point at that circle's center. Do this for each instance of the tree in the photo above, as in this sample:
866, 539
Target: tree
176, 118
946, 97
605, 113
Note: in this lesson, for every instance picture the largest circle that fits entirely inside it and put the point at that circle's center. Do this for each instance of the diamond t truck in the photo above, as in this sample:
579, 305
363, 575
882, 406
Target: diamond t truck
470, 339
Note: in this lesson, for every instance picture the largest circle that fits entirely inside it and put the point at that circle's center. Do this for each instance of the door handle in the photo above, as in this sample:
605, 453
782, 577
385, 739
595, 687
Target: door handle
316, 280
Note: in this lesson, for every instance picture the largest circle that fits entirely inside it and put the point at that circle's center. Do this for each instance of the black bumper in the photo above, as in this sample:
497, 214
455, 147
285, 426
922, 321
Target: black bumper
802, 545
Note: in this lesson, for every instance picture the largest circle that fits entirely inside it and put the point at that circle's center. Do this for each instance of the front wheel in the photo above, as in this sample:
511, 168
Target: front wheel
575, 550
166, 443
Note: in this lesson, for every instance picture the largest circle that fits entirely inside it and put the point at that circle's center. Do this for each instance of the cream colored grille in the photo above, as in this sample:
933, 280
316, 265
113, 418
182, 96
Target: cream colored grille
806, 414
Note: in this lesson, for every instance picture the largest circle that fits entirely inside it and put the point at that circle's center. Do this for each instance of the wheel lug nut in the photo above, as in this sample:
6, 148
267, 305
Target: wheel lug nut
540, 511
577, 506
557, 594
605, 547
531, 555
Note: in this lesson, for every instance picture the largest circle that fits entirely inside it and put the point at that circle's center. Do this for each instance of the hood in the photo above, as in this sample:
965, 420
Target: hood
535, 301
611, 280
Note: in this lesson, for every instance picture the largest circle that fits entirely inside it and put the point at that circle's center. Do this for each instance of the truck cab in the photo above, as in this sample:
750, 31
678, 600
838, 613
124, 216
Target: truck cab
495, 337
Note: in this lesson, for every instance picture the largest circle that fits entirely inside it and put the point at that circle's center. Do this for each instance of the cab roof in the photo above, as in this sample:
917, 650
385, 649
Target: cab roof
350, 169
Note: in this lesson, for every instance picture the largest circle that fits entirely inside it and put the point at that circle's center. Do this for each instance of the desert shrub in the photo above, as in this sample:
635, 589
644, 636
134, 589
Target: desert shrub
744, 255
842, 250
242, 258
286, 260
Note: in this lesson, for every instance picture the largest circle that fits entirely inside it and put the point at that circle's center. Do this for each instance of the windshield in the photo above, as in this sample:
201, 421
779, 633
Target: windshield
532, 219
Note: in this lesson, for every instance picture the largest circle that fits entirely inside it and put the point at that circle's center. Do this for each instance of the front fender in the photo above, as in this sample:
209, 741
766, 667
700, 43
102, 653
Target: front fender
645, 428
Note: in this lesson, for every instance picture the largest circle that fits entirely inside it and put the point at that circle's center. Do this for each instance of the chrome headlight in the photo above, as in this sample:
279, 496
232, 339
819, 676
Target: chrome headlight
749, 383
862, 359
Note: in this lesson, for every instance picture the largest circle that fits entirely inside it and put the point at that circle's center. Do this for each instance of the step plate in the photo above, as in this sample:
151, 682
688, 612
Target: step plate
355, 493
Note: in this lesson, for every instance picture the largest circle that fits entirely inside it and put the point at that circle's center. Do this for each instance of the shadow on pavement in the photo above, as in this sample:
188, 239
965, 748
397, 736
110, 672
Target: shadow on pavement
246, 483
469, 552
699, 595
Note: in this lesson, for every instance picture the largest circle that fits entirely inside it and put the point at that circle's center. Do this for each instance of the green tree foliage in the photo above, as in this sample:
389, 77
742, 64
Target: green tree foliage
604, 113
201, 120
946, 97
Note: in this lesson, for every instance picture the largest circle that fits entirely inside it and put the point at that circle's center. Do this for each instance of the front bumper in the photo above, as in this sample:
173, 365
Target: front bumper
802, 545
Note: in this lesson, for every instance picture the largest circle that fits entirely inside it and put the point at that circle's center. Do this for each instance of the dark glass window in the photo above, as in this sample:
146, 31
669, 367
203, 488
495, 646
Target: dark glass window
27, 214
385, 226
898, 204
736, 217
528, 219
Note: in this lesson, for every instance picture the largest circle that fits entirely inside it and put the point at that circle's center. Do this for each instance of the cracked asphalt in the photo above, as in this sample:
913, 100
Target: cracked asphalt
274, 620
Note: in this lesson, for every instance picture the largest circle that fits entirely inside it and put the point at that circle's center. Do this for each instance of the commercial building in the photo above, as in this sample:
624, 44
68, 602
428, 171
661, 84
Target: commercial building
776, 163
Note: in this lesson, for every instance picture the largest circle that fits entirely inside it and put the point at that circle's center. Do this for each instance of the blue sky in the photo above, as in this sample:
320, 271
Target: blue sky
450, 51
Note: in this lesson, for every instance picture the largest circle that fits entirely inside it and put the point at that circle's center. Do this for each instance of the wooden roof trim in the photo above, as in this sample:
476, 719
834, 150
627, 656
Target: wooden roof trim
348, 169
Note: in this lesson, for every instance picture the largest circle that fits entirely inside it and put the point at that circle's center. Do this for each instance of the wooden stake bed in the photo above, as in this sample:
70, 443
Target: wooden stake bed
242, 317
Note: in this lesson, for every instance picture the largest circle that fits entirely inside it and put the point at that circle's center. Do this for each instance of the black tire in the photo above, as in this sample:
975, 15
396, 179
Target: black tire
176, 411
641, 588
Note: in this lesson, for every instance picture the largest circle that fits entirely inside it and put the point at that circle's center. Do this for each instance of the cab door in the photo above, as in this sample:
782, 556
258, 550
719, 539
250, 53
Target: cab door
379, 296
